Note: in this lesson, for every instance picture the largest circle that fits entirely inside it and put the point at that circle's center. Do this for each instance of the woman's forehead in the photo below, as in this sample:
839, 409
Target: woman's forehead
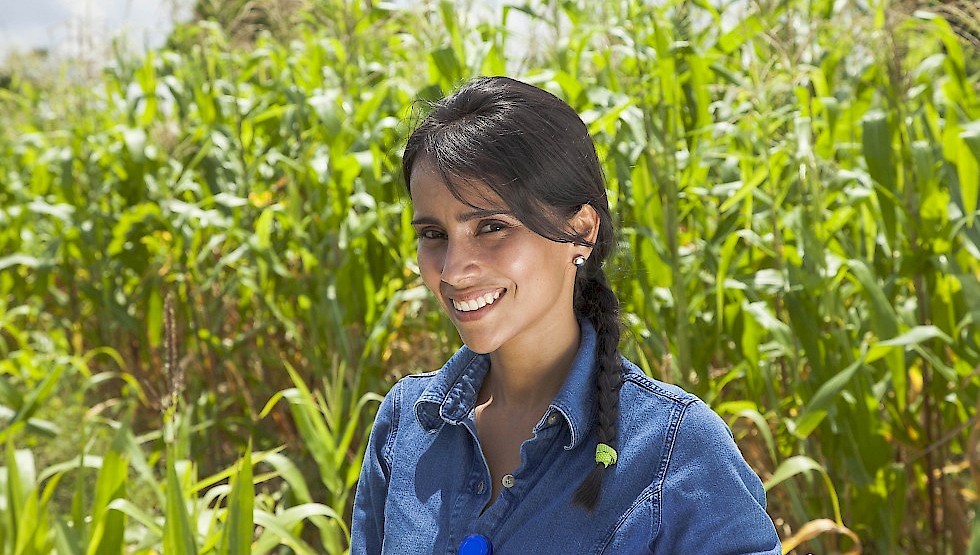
429, 185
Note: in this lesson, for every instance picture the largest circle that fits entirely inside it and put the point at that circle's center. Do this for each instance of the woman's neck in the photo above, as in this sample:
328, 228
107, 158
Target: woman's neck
529, 373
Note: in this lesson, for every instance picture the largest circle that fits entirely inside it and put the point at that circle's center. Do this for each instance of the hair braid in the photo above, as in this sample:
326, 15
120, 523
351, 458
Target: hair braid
596, 301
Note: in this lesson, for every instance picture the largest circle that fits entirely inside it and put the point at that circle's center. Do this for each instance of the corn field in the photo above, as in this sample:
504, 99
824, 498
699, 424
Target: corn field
208, 280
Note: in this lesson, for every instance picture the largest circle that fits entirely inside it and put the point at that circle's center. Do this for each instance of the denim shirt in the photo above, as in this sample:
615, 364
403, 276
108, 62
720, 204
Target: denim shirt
680, 484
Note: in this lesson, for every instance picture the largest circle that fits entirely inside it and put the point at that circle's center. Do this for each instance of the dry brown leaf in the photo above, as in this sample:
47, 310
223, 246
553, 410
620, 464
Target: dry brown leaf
816, 528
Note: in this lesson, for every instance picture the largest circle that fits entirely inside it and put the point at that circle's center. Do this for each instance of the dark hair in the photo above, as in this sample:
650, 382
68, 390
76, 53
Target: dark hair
533, 150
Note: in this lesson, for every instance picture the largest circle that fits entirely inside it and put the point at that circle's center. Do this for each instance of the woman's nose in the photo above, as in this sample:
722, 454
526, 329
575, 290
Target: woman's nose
461, 263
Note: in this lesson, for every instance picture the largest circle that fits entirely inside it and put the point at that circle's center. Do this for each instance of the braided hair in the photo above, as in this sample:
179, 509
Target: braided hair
533, 150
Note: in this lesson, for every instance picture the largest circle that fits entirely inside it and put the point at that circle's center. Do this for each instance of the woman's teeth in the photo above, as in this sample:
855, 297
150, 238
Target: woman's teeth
477, 303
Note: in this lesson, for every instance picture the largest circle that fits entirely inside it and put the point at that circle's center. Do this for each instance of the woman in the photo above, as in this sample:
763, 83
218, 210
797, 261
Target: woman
537, 436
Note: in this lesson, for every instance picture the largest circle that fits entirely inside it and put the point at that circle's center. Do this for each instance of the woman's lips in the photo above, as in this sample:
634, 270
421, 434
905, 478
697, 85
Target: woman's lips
475, 306
477, 302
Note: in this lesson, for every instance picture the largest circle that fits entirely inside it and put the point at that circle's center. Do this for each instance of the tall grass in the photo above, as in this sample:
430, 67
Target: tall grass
796, 187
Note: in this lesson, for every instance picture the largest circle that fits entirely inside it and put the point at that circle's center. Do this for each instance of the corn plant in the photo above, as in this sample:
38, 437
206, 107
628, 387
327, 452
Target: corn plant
796, 190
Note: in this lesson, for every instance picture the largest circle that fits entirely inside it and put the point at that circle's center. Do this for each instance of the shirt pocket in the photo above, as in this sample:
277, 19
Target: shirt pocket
634, 533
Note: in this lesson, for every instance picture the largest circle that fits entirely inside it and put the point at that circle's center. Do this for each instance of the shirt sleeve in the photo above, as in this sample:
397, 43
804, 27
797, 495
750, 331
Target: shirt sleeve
367, 526
712, 502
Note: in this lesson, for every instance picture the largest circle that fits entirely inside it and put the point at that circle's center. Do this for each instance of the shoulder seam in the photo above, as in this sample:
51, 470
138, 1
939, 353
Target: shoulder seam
648, 385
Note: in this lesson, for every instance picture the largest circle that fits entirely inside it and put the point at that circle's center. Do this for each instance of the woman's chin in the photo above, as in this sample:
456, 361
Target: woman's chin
479, 343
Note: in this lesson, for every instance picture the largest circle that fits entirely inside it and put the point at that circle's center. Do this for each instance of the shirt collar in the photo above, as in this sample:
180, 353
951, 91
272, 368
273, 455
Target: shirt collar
451, 396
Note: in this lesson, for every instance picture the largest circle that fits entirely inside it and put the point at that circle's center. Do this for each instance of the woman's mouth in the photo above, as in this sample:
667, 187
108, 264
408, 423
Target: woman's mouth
478, 302
476, 305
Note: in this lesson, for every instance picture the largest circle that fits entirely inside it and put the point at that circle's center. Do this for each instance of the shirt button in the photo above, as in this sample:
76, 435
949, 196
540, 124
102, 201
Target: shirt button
479, 488
508, 481
552, 419
475, 544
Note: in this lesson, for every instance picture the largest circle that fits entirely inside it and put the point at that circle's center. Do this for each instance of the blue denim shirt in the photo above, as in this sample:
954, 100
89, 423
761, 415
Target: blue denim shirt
680, 485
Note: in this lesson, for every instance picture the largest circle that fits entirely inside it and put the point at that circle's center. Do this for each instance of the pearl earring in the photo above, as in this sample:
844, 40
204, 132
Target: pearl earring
579, 261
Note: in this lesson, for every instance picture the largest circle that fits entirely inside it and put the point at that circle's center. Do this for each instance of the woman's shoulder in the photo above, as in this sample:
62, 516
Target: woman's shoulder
411, 382
409, 388
698, 471
638, 384
669, 409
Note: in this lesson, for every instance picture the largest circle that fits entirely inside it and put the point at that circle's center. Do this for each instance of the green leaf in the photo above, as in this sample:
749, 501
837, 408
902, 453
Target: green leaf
67, 540
276, 530
277, 527
236, 538
178, 536
791, 467
129, 224
884, 322
19, 260
746, 30
313, 428
138, 514
915, 336
798, 465
108, 526
35, 399
816, 409
18, 484
879, 156
883, 319
746, 410
292, 475
447, 64
968, 168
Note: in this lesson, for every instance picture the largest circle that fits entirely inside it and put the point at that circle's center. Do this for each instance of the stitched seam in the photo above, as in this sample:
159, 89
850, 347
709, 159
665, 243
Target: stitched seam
572, 436
453, 395
424, 399
395, 419
649, 386
644, 497
423, 374
672, 433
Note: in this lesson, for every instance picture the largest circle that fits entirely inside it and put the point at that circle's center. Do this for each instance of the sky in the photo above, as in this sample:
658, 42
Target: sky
82, 27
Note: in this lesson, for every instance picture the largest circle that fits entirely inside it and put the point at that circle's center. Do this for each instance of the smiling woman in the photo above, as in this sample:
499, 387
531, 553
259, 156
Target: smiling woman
537, 436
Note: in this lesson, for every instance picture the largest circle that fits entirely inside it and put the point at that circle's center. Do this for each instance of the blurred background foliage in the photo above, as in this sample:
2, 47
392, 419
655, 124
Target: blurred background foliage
207, 280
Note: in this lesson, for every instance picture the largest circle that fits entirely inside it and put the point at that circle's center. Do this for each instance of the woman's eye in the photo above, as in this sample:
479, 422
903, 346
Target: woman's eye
491, 227
429, 233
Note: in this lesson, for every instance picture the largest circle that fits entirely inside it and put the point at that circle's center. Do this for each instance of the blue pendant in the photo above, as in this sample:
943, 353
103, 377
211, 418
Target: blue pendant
476, 544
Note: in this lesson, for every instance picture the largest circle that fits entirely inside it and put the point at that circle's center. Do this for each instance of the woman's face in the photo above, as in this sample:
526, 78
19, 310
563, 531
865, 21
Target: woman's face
500, 283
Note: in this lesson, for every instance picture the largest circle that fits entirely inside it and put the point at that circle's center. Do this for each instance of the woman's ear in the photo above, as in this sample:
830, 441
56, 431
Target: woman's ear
585, 222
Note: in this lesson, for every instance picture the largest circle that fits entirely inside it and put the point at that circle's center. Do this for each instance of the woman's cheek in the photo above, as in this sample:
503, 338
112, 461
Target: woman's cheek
429, 267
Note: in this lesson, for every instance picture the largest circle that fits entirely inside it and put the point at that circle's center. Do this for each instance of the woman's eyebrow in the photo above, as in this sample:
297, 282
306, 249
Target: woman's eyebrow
482, 213
425, 220
465, 216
